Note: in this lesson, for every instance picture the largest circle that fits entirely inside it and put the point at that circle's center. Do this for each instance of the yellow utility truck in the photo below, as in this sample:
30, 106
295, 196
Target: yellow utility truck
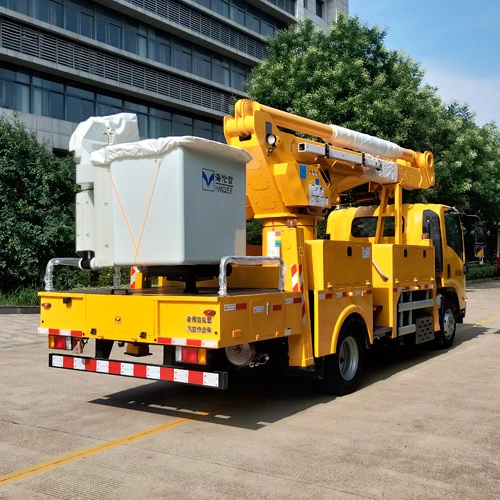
174, 210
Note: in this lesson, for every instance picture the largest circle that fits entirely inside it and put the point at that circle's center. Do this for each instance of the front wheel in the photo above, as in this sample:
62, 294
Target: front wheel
342, 370
446, 336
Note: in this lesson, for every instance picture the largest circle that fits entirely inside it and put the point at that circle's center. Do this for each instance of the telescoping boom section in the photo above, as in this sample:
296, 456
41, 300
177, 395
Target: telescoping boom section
201, 304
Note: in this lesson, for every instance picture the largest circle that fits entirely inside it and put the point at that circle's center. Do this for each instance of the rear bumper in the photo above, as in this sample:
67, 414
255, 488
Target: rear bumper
215, 380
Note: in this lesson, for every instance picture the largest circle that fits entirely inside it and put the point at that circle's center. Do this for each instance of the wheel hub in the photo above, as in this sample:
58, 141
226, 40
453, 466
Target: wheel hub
449, 324
348, 358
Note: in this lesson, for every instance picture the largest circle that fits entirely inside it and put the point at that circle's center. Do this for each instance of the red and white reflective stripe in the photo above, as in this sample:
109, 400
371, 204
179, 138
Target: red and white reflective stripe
138, 370
133, 272
293, 300
235, 307
211, 344
296, 271
323, 296
58, 331
353, 293
298, 286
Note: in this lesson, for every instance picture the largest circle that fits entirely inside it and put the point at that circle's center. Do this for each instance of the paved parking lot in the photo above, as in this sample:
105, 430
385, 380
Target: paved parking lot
18, 330
424, 426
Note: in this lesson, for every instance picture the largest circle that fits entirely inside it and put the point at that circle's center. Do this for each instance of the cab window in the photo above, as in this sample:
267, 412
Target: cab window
366, 227
454, 233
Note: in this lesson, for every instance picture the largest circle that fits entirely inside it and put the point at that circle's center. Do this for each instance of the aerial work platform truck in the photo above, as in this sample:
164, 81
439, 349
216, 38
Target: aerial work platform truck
174, 211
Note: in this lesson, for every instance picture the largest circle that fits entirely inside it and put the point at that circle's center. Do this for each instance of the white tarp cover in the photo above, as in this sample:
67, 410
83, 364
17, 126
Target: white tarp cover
386, 173
159, 147
357, 141
122, 127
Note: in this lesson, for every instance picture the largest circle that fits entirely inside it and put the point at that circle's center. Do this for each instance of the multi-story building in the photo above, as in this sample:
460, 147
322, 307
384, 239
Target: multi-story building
177, 64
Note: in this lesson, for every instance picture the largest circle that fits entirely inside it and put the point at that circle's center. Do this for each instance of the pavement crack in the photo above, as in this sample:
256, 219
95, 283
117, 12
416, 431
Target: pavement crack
41, 428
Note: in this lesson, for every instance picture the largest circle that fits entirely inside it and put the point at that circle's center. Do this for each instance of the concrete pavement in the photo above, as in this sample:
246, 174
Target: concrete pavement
18, 330
425, 425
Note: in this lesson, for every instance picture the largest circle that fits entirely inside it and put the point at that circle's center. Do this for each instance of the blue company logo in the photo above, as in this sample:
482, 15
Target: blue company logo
207, 179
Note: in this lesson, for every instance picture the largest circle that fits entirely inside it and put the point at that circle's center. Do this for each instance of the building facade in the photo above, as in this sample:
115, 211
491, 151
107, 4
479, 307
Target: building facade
177, 64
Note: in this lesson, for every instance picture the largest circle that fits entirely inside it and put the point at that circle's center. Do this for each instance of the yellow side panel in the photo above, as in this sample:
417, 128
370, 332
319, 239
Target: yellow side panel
63, 316
330, 312
121, 317
238, 319
402, 263
230, 320
332, 263
413, 263
186, 318
384, 303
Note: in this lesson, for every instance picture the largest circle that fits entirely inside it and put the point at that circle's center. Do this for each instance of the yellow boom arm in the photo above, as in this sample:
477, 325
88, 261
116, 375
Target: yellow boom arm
290, 176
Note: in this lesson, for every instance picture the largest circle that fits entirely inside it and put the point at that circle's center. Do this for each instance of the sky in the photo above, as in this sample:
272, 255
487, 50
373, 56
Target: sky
456, 42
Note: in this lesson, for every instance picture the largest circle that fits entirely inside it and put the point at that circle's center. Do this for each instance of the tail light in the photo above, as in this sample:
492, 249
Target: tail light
192, 355
62, 342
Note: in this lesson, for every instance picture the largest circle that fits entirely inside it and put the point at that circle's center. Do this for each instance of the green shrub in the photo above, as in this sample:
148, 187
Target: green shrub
254, 232
21, 297
37, 205
477, 271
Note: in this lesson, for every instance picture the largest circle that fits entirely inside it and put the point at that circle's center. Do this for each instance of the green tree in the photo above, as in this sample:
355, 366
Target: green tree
37, 196
468, 166
349, 78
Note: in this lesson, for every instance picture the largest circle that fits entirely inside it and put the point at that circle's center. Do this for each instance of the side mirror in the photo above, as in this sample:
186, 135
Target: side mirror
466, 269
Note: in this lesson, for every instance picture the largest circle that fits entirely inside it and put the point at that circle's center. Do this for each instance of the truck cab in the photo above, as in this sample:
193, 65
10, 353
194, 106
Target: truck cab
421, 223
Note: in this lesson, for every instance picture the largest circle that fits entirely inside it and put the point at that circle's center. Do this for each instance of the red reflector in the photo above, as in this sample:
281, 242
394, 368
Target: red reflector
59, 342
209, 312
46, 305
189, 355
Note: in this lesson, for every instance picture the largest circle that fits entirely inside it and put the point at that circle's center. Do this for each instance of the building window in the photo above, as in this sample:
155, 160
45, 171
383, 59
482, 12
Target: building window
40, 9
202, 65
80, 104
109, 27
218, 134
48, 103
319, 8
160, 123
221, 73
182, 58
44, 97
79, 19
56, 15
221, 7
87, 25
238, 14
109, 30
182, 125
115, 36
266, 29
203, 129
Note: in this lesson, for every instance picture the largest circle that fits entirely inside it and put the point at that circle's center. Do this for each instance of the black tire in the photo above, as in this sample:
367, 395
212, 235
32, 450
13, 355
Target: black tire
342, 370
448, 321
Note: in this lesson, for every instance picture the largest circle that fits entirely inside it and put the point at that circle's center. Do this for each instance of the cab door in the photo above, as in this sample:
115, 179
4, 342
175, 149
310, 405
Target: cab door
453, 253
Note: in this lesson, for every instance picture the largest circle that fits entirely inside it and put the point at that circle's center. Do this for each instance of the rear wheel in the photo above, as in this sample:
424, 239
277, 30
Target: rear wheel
446, 336
342, 372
